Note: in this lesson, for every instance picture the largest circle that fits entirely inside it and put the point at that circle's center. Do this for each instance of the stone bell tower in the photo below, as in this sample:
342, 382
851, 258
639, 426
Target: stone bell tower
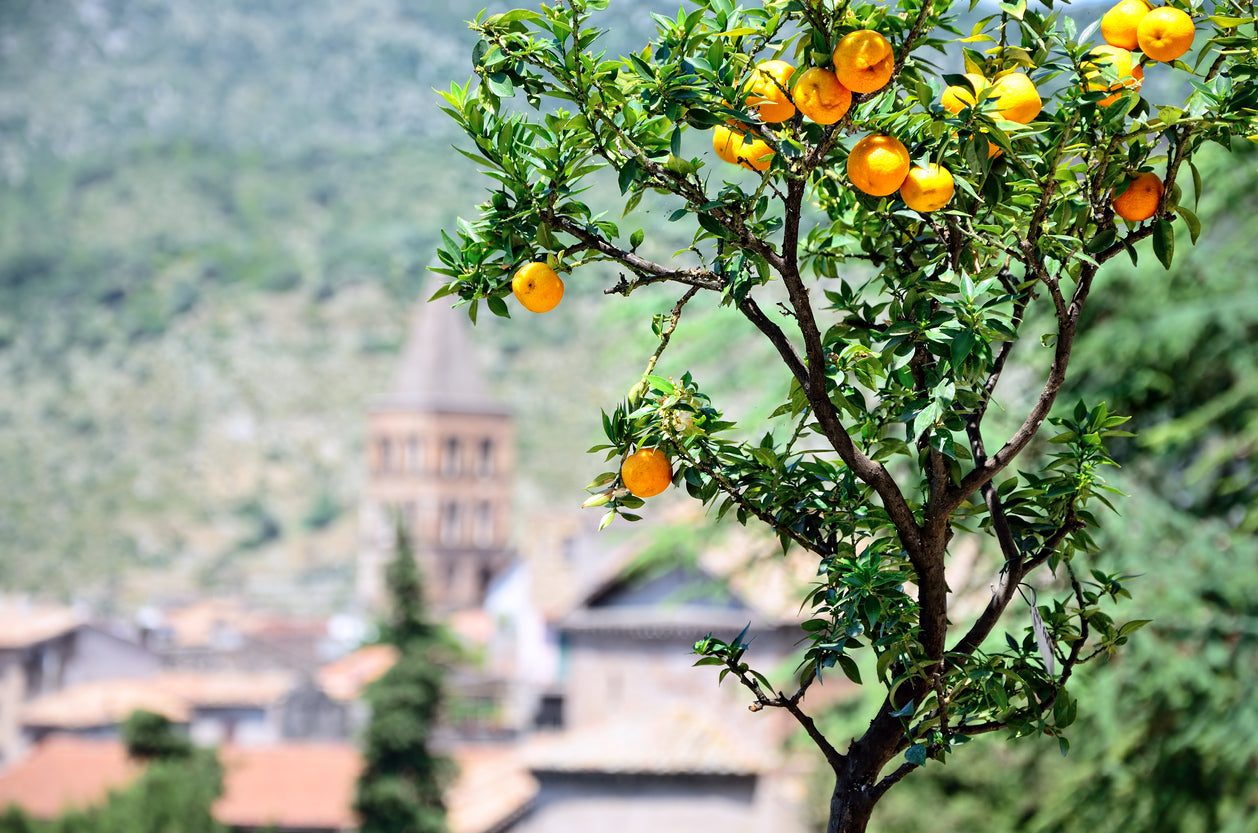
440, 457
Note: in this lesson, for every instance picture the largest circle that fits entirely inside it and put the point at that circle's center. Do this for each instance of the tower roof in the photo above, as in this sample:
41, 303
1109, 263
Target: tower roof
437, 369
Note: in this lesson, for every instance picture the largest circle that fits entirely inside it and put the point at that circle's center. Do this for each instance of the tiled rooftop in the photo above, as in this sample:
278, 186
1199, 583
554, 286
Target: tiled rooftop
306, 786
102, 703
23, 624
173, 693
64, 773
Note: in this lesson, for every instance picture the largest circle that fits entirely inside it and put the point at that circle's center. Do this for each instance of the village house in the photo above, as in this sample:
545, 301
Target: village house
45, 649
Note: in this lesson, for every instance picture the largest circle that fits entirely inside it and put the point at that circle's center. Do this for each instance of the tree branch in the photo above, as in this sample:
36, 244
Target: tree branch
1010, 577
777, 338
868, 470
833, 756
653, 272
1067, 326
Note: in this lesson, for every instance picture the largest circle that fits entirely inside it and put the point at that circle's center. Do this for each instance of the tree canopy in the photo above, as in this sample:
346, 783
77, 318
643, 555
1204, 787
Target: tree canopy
894, 303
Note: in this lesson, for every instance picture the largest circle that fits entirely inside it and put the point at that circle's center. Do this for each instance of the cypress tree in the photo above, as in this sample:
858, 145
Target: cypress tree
400, 790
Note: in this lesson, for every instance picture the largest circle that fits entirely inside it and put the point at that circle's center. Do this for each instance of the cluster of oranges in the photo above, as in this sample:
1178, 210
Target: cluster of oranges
1163, 34
879, 165
863, 63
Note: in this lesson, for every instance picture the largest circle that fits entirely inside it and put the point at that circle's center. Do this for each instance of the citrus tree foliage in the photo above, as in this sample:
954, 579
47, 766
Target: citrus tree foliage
896, 327
400, 788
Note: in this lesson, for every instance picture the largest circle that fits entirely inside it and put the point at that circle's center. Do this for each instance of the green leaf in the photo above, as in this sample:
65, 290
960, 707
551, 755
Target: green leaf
498, 306
1164, 242
1103, 240
1227, 21
1190, 220
916, 754
849, 668
1133, 626
628, 175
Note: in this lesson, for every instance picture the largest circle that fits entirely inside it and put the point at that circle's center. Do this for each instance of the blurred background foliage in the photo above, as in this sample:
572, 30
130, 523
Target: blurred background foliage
214, 219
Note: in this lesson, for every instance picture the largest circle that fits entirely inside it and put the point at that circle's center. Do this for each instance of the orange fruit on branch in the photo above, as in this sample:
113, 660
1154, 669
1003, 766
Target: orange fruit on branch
723, 142
767, 91
537, 287
878, 164
646, 472
1017, 99
740, 149
863, 61
1130, 72
1141, 198
957, 97
1118, 25
821, 96
927, 189
1165, 33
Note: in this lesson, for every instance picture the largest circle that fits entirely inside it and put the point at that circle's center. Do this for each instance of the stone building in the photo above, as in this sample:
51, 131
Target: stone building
44, 650
440, 460
651, 744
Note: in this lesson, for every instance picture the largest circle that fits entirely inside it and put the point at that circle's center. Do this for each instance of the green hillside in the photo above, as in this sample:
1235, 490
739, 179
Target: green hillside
213, 224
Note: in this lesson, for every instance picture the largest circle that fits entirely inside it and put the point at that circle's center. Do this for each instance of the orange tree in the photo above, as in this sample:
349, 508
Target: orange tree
910, 223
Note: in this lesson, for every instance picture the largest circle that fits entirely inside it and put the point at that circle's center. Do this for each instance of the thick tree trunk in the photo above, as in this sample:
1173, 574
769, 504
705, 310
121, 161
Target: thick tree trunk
850, 808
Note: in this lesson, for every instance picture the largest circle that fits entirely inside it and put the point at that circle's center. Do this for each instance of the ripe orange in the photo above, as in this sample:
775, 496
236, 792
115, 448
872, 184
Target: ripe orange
957, 97
739, 149
723, 140
878, 164
1118, 25
863, 61
821, 96
646, 472
927, 189
1165, 33
752, 153
1141, 198
1130, 72
1016, 98
767, 91
537, 287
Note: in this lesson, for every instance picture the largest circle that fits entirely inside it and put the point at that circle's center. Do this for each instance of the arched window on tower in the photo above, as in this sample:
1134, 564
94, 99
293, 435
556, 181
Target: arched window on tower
450, 462
485, 458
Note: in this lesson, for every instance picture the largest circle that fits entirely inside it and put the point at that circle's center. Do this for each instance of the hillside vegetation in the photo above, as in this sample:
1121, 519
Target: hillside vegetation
214, 222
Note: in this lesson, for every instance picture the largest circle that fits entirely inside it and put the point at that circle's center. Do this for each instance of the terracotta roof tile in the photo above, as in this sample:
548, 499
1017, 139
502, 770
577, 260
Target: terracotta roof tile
227, 688
23, 624
102, 703
293, 785
346, 678
64, 773
172, 693
296, 785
